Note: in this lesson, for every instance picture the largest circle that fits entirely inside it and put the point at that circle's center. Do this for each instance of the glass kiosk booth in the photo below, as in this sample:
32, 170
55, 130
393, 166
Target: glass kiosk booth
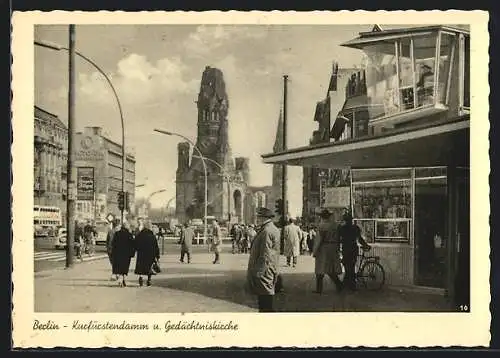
410, 162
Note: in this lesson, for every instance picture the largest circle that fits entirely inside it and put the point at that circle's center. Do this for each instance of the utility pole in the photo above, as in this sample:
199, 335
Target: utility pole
70, 191
284, 167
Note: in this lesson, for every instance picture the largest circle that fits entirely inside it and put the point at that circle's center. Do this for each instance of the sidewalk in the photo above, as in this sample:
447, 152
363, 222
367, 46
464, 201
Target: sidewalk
204, 287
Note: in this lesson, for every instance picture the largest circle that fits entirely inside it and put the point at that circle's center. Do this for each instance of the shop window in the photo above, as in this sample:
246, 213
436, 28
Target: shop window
382, 204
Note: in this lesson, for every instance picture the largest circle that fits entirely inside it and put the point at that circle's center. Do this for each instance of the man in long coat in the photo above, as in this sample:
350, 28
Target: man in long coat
148, 251
186, 241
263, 263
326, 251
216, 242
123, 249
292, 236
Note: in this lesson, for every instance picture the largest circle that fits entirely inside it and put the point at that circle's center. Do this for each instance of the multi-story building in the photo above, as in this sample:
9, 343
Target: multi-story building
315, 179
98, 161
50, 158
403, 134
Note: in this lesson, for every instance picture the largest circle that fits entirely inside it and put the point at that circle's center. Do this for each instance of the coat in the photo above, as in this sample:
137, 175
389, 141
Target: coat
122, 249
216, 239
147, 249
263, 263
109, 241
326, 250
186, 241
292, 235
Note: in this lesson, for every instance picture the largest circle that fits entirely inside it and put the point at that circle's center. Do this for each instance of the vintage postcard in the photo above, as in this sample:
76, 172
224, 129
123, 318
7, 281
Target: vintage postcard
250, 179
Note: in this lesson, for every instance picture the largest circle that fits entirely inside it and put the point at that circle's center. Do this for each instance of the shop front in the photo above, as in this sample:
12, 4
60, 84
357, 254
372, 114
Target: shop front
409, 171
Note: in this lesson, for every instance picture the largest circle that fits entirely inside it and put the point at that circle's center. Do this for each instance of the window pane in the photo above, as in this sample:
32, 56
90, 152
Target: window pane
424, 50
406, 76
381, 79
393, 231
448, 42
467, 72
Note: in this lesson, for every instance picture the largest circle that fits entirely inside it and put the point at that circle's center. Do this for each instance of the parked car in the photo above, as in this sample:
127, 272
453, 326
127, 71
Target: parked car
60, 239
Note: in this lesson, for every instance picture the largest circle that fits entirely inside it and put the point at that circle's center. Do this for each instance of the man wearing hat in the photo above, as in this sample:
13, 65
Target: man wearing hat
263, 263
326, 252
349, 235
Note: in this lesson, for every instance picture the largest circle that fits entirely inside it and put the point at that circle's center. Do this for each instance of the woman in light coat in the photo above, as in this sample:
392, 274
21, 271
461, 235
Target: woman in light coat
326, 252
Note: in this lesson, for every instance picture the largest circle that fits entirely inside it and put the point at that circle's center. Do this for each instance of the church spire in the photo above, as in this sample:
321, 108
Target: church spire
278, 142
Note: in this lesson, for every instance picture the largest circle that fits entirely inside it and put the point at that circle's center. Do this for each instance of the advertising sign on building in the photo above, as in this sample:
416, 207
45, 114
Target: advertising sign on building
338, 197
85, 183
88, 149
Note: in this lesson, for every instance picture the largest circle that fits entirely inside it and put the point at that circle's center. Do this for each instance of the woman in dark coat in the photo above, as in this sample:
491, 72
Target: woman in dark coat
148, 251
122, 247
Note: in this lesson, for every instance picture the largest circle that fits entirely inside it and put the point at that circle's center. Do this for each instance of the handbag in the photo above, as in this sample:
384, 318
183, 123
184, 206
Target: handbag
156, 267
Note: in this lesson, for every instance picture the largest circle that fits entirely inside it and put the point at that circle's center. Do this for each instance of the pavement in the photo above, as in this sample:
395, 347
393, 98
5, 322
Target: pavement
204, 287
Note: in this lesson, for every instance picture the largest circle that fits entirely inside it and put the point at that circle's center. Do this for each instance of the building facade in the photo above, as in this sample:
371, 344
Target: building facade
403, 138
227, 177
315, 179
98, 162
50, 160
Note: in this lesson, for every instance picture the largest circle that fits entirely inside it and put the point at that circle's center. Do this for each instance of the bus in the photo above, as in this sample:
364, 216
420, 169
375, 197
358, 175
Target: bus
46, 220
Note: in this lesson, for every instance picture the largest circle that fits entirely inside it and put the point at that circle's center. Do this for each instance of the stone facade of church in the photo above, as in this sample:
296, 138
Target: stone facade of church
228, 177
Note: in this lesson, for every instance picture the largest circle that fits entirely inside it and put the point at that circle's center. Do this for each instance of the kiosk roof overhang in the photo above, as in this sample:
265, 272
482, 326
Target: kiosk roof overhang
432, 145
366, 38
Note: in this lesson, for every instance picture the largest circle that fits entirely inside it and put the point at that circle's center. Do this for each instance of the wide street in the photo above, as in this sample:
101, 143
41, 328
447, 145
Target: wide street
204, 287
47, 257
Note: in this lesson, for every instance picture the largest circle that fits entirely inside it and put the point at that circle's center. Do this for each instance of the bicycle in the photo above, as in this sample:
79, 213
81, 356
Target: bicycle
370, 273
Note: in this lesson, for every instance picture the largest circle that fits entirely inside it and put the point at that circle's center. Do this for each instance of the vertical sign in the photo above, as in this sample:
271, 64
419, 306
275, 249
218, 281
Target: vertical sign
85, 183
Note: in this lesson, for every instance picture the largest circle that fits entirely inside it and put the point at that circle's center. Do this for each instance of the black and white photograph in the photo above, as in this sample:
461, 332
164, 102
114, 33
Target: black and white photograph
255, 167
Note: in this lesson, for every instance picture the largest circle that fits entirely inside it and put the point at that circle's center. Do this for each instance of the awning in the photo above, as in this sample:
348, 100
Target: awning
433, 145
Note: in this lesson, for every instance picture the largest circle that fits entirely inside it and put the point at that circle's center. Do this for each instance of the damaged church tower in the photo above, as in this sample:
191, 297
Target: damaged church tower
226, 198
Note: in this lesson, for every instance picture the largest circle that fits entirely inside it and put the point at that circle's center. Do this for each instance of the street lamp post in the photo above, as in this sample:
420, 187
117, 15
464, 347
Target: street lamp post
57, 47
228, 180
205, 231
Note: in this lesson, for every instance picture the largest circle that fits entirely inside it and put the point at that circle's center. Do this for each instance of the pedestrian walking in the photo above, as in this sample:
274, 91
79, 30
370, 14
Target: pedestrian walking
326, 252
303, 241
123, 249
263, 263
216, 242
292, 242
244, 239
238, 234
349, 235
147, 252
113, 228
232, 233
251, 235
78, 238
186, 241
311, 239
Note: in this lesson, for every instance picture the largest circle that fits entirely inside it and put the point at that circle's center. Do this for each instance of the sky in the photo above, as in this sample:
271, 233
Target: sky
156, 70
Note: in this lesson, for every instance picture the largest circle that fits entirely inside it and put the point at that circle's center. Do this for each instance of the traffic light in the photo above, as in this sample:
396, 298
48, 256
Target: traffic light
278, 208
127, 201
121, 201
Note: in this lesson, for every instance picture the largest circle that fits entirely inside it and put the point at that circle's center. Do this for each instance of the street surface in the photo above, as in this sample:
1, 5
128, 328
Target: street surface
204, 287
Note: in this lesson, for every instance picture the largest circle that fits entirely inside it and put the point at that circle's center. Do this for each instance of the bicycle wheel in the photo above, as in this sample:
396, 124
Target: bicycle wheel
373, 275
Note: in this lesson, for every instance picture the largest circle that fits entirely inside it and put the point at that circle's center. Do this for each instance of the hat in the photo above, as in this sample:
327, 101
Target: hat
325, 213
265, 212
